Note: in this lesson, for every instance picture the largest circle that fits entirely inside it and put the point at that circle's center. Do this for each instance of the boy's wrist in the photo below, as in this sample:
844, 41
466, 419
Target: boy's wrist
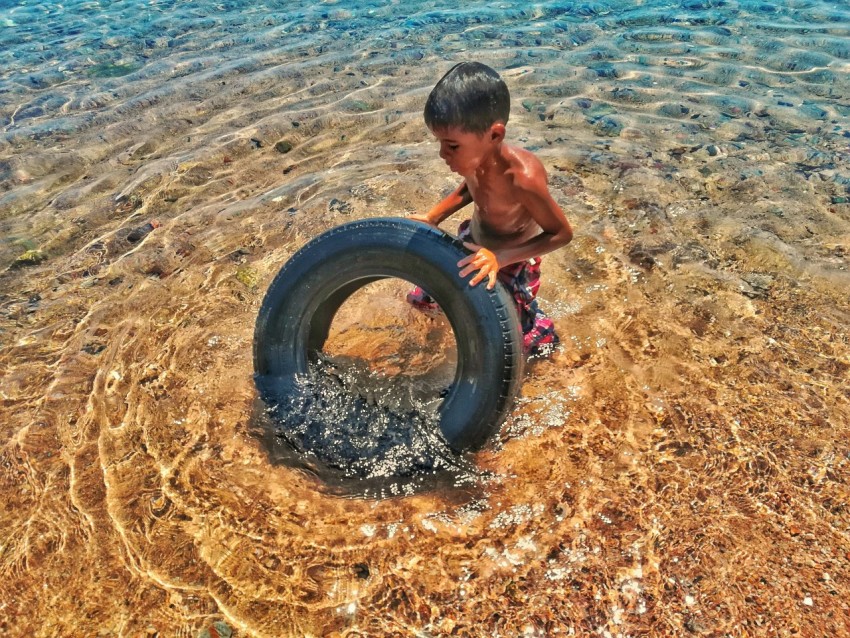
437, 218
425, 219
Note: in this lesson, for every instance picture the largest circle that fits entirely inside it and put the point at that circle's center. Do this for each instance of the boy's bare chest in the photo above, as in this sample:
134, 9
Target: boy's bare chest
498, 208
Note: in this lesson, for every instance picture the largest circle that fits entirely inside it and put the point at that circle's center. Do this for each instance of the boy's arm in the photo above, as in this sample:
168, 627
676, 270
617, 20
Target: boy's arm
533, 193
450, 205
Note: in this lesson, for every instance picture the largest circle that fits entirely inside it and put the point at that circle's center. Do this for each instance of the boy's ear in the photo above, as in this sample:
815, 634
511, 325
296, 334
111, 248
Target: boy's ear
497, 132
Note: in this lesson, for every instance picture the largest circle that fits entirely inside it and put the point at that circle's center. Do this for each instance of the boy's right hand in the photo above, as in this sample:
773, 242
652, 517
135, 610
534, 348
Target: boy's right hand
422, 218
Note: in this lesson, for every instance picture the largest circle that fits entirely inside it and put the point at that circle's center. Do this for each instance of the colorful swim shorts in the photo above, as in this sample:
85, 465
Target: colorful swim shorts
522, 279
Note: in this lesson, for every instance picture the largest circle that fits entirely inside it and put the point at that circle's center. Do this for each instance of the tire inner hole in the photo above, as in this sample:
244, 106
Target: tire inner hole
389, 352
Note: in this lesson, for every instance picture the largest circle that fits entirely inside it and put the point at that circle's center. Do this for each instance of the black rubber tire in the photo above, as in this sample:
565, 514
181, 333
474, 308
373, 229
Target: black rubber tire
300, 304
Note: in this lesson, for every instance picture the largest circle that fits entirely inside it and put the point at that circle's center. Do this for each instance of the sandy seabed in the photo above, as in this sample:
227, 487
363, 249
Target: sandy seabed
678, 467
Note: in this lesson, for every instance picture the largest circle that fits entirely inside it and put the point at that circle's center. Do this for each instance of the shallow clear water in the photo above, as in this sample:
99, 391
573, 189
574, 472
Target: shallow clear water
679, 466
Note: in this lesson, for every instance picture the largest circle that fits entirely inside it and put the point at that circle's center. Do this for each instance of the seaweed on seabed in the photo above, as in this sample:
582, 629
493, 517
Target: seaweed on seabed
111, 70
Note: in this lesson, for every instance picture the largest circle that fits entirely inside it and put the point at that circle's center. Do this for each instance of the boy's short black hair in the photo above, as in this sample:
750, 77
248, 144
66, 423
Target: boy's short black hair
471, 96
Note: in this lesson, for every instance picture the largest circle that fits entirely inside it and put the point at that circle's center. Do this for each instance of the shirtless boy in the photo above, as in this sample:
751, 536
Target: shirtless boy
515, 219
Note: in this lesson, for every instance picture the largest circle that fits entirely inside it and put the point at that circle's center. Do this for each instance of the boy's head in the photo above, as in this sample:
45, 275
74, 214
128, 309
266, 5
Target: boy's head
470, 97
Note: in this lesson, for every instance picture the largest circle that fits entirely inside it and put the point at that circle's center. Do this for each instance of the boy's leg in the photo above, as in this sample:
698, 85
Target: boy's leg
420, 299
523, 280
542, 334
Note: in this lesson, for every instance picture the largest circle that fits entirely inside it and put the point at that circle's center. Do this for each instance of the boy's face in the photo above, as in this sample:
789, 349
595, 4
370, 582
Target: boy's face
464, 151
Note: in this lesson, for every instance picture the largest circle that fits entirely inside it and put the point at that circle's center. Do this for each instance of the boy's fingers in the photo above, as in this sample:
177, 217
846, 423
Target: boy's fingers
477, 278
465, 260
469, 269
484, 261
469, 258
484, 271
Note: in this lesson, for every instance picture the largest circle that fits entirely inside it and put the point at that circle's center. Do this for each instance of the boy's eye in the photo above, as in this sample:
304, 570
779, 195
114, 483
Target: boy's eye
453, 147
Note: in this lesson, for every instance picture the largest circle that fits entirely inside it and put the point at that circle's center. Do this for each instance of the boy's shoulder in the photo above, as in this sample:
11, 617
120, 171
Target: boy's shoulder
525, 168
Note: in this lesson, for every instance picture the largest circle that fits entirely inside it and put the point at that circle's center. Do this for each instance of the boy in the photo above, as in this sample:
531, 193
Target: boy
515, 219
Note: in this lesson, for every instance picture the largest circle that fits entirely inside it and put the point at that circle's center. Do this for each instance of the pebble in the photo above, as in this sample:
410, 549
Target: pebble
813, 111
94, 348
531, 105
283, 146
632, 133
674, 110
339, 206
218, 629
643, 255
608, 126
142, 231
248, 276
361, 570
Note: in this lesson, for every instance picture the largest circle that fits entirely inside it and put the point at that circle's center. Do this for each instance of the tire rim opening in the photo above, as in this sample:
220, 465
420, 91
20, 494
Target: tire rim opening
390, 352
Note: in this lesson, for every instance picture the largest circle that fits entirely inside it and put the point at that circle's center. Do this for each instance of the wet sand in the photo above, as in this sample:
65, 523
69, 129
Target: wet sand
678, 467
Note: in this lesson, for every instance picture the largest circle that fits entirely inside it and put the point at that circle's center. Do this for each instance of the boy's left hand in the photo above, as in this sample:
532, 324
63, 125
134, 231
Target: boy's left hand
484, 261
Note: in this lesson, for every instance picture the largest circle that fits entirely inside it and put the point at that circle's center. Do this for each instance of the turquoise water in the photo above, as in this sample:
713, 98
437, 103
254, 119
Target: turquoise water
678, 467
73, 66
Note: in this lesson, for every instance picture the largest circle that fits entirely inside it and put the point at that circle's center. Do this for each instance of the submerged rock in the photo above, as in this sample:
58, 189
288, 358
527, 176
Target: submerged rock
643, 255
283, 146
339, 206
608, 126
111, 70
360, 106
219, 629
248, 276
29, 258
140, 232
673, 110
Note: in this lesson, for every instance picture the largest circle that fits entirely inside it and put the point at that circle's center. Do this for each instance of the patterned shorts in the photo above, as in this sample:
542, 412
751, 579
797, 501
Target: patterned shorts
522, 279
